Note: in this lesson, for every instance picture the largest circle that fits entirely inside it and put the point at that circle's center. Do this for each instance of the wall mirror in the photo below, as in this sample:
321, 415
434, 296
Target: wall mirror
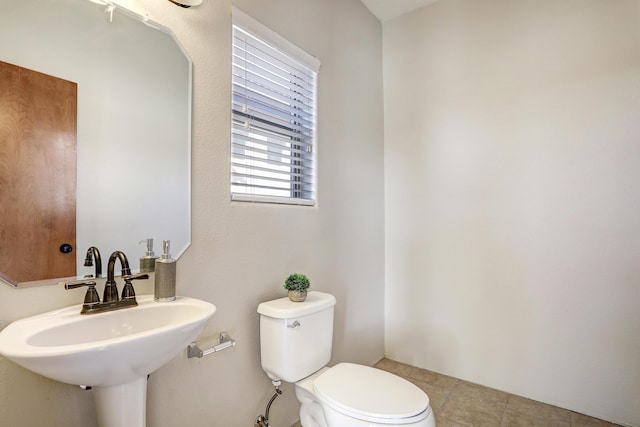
133, 124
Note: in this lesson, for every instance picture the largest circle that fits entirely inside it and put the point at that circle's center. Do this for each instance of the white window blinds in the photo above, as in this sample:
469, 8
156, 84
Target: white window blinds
273, 117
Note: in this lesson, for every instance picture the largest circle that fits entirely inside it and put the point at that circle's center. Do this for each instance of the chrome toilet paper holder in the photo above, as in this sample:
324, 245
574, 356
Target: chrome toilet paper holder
225, 342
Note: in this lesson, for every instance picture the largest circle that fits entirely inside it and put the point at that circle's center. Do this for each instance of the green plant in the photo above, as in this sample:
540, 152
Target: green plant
297, 282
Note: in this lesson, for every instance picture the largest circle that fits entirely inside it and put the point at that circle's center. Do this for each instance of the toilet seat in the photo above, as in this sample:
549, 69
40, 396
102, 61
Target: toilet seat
371, 394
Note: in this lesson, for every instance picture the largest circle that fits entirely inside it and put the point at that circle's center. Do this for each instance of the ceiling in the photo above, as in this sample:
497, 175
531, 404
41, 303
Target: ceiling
385, 10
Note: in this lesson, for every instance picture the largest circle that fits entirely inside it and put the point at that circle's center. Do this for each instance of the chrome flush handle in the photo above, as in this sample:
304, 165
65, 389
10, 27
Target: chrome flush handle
294, 325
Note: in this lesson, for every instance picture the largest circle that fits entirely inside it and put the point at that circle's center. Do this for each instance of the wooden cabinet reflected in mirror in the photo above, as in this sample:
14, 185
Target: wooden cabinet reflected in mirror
38, 120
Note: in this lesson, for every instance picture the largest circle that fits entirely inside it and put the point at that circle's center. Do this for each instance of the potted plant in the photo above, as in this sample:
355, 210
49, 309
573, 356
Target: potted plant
297, 285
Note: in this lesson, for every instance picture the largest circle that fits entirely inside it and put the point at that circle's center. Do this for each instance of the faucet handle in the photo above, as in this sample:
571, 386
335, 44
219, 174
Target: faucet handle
128, 292
139, 276
91, 297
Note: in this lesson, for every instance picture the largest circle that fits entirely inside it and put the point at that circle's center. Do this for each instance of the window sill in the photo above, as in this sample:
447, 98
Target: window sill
272, 200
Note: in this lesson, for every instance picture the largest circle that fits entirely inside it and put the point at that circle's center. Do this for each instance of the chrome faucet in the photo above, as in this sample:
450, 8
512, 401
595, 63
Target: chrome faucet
94, 254
110, 299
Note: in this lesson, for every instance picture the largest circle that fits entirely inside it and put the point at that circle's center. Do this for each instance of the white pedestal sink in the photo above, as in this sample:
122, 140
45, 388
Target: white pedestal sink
113, 352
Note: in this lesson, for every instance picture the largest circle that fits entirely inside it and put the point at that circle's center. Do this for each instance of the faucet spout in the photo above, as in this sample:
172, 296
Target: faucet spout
110, 288
93, 255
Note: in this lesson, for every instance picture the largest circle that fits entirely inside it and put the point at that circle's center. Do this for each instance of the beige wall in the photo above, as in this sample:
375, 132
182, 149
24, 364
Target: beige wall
512, 186
241, 253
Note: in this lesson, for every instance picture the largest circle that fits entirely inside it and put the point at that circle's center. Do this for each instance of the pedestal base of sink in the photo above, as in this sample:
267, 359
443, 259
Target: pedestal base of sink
122, 405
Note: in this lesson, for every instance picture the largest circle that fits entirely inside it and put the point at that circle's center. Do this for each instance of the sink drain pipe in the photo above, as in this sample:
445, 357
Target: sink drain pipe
263, 420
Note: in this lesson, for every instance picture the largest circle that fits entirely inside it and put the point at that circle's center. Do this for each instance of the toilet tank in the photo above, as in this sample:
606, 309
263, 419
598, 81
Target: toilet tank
296, 337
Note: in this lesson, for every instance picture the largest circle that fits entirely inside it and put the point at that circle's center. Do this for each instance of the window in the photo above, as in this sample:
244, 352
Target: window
273, 117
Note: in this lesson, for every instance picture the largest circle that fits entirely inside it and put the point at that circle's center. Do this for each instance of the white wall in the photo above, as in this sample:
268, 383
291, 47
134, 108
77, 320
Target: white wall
512, 186
241, 253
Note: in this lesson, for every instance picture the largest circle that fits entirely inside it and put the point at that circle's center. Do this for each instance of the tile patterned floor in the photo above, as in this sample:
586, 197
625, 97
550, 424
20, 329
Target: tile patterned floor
457, 403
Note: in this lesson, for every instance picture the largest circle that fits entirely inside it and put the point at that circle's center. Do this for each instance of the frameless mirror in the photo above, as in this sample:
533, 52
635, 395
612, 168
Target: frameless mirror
133, 122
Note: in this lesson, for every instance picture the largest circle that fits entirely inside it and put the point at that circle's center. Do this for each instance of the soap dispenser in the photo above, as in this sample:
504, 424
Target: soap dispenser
148, 260
165, 277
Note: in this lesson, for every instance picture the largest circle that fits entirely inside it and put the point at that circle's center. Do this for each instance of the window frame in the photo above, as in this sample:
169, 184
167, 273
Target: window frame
247, 24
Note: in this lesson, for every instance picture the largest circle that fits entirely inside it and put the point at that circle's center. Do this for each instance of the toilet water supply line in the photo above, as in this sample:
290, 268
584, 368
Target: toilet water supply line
263, 421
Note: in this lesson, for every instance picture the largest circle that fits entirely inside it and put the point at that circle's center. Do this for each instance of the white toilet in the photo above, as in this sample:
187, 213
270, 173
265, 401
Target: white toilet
295, 345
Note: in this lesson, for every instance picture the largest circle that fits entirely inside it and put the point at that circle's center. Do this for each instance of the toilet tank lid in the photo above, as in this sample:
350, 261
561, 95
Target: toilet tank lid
283, 308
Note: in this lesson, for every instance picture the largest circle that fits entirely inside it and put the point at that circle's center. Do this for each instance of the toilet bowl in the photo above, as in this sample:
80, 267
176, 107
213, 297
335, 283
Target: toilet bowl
295, 346
351, 395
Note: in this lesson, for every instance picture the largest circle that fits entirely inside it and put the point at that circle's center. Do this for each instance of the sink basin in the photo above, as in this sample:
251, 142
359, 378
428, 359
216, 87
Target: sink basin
113, 352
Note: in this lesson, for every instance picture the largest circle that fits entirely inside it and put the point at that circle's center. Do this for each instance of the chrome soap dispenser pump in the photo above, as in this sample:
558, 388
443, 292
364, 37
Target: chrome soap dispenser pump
148, 260
165, 277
